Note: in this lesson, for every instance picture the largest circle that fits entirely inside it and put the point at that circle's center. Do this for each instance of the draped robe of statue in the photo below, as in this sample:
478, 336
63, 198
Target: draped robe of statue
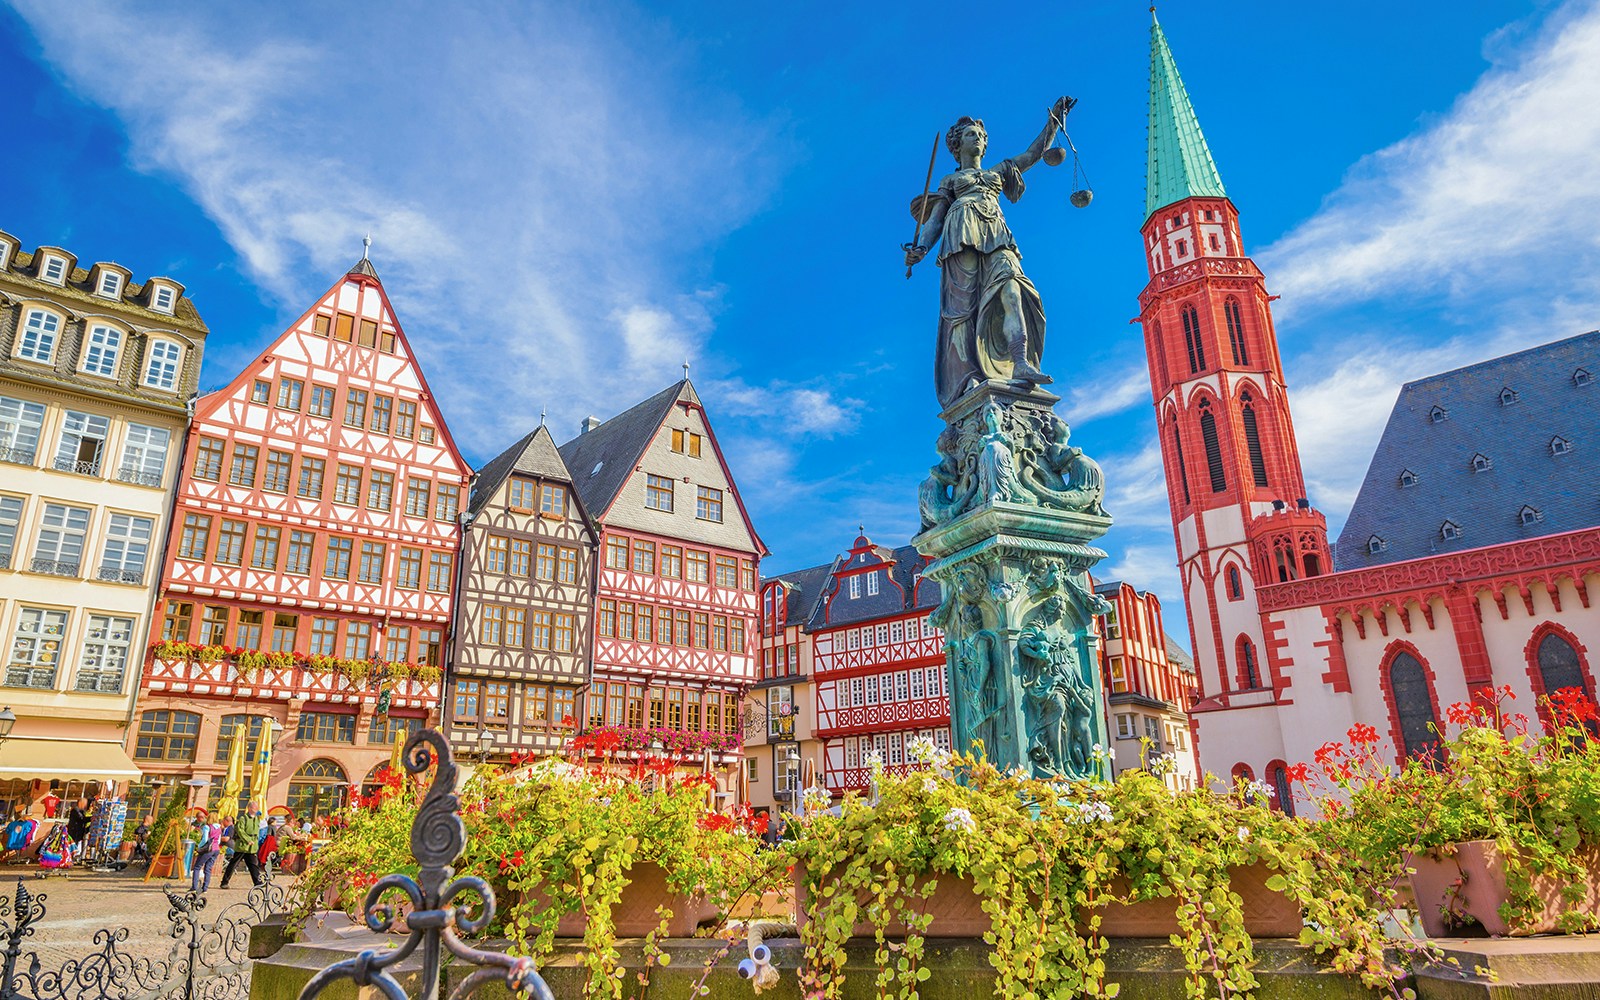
978, 256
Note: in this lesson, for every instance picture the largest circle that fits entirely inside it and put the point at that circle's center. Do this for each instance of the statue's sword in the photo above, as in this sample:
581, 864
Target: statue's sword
919, 207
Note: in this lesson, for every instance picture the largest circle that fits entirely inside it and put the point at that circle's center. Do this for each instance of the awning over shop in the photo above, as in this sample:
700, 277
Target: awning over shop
80, 760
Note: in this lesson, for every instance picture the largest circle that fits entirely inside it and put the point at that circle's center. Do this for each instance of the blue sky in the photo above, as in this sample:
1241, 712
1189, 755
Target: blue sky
567, 200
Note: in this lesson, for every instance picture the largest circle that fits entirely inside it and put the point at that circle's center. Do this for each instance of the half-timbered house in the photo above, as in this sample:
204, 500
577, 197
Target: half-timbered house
94, 373
675, 607
311, 561
1149, 683
521, 642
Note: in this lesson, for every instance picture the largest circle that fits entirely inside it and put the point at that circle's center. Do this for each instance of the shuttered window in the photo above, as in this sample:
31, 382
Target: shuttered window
1191, 340
1252, 440
1241, 354
1208, 433
1177, 453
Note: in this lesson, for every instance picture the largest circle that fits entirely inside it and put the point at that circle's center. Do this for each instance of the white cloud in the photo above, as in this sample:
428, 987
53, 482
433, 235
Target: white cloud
1150, 567
1136, 487
1105, 395
1497, 195
537, 178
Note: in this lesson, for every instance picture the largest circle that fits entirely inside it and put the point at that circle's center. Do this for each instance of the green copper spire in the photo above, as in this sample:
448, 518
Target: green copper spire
1178, 162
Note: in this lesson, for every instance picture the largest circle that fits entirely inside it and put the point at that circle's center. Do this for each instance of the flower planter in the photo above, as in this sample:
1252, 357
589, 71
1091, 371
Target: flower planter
1466, 883
165, 866
957, 910
635, 913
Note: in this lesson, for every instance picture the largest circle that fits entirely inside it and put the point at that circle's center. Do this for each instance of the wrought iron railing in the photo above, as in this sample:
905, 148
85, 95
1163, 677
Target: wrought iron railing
30, 677
438, 837
56, 567
138, 477
115, 574
100, 681
90, 468
18, 456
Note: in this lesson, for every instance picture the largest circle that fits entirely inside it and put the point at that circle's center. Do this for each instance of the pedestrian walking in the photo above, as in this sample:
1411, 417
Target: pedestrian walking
78, 825
246, 831
206, 849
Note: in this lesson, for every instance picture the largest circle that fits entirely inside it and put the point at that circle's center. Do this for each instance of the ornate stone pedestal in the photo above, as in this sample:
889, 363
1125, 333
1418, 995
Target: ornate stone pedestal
1008, 515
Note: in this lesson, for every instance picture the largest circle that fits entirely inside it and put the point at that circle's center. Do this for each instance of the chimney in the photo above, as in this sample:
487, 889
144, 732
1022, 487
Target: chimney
589, 423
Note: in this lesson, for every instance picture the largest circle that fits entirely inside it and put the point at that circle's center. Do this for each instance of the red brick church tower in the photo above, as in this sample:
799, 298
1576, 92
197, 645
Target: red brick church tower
1234, 481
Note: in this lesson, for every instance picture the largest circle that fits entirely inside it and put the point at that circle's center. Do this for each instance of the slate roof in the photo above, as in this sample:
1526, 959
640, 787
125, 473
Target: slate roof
364, 267
1177, 655
1541, 443
810, 587
601, 460
535, 454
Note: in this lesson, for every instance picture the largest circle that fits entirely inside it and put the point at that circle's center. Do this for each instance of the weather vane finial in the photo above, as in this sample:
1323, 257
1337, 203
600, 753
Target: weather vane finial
366, 245
541, 416
686, 369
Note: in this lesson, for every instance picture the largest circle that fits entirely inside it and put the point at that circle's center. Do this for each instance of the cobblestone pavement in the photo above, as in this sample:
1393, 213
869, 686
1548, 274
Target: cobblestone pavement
79, 902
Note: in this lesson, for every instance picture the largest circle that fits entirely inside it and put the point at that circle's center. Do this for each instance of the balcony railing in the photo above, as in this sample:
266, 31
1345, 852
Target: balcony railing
138, 477
100, 681
5, 560
90, 468
18, 456
55, 567
113, 574
31, 677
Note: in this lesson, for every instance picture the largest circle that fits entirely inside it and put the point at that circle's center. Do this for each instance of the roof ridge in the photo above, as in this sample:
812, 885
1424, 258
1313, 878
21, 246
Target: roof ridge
1498, 359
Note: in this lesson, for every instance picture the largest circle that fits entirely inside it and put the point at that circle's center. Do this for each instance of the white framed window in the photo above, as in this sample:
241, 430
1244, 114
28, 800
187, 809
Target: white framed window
858, 695
162, 370
872, 689
880, 743
916, 684
897, 632
10, 521
883, 635
927, 628
941, 737
935, 679
110, 286
1152, 729
144, 455
59, 548
163, 298
5, 255
39, 334
1126, 727
105, 654
872, 582
127, 548
852, 639
36, 648
83, 443
897, 748
102, 348
54, 269
855, 587
902, 686
20, 425
852, 752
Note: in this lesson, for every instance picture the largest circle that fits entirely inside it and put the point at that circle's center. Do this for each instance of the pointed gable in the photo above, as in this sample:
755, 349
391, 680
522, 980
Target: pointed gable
535, 454
1178, 162
613, 463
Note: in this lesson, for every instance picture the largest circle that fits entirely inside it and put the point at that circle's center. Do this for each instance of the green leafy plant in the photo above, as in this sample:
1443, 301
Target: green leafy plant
1046, 858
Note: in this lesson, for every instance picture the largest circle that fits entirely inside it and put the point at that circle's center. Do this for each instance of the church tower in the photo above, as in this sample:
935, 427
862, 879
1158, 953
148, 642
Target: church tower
1239, 512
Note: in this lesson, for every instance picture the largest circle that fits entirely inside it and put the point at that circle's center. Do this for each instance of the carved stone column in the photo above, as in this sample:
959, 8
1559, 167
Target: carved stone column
1007, 517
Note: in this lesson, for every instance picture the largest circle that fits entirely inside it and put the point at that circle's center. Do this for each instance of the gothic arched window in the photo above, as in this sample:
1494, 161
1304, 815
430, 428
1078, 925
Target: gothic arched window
1283, 794
1559, 666
1230, 309
1177, 456
1252, 441
1413, 705
1191, 340
1249, 672
1235, 584
1208, 434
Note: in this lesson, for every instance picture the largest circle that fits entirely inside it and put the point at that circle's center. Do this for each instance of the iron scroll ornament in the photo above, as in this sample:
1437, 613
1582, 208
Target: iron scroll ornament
438, 837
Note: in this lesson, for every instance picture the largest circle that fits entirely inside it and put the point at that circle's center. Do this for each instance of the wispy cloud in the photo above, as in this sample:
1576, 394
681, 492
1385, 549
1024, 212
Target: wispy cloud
1497, 194
1105, 395
538, 178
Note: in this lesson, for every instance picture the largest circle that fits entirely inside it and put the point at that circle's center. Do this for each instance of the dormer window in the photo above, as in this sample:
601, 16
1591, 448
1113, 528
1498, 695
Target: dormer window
5, 254
1481, 463
101, 350
161, 372
54, 269
1438, 415
110, 286
1408, 478
1529, 515
162, 299
39, 334
1376, 545
1508, 396
1582, 377
1450, 531
1560, 445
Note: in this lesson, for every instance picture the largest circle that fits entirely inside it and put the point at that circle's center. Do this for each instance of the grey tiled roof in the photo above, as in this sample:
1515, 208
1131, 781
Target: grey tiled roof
1522, 438
364, 267
810, 587
535, 454
602, 459
1177, 655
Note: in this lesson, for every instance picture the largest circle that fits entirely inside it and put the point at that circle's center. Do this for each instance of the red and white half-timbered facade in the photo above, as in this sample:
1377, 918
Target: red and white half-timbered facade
675, 606
311, 561
1149, 684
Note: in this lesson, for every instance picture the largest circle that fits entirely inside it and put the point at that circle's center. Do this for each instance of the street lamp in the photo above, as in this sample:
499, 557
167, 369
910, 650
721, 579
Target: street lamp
8, 718
791, 757
485, 743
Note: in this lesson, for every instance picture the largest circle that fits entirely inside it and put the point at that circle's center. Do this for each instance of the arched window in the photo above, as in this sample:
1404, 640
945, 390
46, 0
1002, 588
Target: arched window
1235, 584
1243, 772
1249, 672
1191, 340
1413, 705
1252, 441
252, 741
1208, 434
1177, 455
1559, 665
1282, 793
317, 789
1230, 309
167, 735
370, 784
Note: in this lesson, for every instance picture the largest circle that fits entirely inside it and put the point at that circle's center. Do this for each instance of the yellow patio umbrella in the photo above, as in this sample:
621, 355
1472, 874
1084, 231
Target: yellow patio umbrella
263, 769
234, 783
396, 758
